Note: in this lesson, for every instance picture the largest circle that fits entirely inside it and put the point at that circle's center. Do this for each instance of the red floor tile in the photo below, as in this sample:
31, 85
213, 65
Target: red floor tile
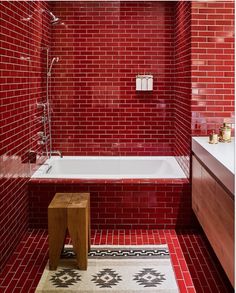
203, 265
196, 267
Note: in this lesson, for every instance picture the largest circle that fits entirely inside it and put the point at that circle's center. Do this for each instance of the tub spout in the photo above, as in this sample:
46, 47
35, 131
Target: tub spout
56, 153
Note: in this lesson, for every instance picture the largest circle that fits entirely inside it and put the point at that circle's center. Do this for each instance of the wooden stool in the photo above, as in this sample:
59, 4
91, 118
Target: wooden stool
72, 211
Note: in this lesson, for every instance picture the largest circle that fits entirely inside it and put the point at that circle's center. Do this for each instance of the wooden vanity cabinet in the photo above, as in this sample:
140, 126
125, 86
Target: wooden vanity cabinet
214, 208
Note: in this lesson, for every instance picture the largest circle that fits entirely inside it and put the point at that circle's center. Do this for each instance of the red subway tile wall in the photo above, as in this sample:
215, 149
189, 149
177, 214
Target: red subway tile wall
102, 46
96, 109
22, 84
157, 204
212, 45
182, 80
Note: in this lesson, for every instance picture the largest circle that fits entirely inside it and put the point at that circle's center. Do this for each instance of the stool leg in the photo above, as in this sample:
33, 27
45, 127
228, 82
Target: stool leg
78, 230
57, 225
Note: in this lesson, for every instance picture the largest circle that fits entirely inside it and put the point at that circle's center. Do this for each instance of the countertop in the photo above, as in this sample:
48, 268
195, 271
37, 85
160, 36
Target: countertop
219, 158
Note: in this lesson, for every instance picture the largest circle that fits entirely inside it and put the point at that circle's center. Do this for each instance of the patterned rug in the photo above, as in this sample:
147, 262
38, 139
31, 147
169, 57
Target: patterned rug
117, 269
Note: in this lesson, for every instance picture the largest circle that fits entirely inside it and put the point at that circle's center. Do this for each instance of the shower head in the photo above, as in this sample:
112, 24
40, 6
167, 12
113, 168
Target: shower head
54, 59
55, 19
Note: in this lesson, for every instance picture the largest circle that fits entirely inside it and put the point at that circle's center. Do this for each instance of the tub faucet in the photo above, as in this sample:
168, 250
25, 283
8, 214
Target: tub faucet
56, 153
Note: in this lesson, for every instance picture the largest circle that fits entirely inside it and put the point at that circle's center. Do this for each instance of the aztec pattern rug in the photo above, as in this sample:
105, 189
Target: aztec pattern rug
114, 269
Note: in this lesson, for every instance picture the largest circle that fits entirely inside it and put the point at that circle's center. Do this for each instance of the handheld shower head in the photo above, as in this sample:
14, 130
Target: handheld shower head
54, 59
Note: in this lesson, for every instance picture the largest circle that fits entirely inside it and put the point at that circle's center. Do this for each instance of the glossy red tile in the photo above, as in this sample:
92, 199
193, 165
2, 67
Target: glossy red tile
120, 205
205, 269
22, 85
182, 84
97, 110
32, 269
209, 44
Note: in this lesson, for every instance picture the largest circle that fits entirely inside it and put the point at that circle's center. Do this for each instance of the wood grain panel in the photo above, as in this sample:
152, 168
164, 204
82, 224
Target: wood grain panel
224, 206
214, 208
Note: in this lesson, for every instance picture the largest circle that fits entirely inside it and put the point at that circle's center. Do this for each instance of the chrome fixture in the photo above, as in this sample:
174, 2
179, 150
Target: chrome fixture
41, 105
54, 59
25, 58
55, 19
45, 137
49, 167
44, 119
42, 154
42, 138
27, 18
48, 107
56, 153
40, 133
49, 69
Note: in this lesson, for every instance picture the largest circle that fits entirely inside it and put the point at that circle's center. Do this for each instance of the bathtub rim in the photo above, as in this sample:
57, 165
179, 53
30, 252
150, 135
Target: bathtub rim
172, 159
66, 181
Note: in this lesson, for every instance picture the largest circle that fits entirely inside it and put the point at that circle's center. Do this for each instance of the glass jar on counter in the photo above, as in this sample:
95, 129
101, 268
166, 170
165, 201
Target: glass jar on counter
225, 133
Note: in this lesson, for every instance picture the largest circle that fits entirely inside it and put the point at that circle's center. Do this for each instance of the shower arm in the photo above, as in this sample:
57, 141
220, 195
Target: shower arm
55, 19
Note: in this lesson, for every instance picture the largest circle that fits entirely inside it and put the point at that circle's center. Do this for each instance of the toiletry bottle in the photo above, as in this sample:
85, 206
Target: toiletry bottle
225, 133
213, 138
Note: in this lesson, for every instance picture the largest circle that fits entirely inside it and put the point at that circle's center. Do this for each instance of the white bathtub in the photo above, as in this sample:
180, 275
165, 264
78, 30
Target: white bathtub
110, 168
